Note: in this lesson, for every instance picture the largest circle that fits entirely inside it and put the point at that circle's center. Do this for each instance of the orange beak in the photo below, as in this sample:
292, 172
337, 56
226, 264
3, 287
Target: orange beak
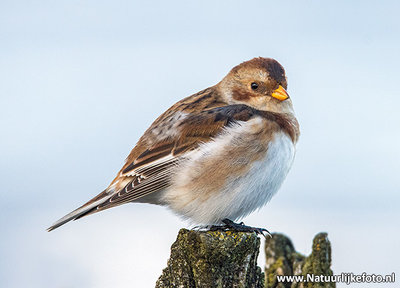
280, 93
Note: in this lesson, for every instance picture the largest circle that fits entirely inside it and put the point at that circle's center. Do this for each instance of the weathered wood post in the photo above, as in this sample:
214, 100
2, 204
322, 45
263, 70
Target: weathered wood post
282, 259
229, 259
213, 259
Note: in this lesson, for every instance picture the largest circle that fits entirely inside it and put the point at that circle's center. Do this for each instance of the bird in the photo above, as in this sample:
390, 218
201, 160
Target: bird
213, 157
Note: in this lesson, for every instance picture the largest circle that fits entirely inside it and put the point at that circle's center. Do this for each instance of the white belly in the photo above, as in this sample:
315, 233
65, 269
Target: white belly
239, 195
264, 178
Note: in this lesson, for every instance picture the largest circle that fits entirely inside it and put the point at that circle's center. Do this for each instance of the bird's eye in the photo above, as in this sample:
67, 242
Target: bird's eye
254, 86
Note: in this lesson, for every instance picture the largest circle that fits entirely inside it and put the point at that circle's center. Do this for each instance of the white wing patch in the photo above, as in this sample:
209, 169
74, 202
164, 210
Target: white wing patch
170, 128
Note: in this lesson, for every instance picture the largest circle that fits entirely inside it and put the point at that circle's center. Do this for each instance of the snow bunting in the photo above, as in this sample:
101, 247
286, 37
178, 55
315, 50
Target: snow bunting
218, 154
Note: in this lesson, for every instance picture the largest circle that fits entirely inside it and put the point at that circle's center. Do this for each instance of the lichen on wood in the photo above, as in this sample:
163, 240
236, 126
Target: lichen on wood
213, 259
282, 259
229, 259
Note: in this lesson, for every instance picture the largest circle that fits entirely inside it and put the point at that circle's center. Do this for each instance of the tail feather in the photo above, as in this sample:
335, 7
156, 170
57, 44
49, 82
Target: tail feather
84, 210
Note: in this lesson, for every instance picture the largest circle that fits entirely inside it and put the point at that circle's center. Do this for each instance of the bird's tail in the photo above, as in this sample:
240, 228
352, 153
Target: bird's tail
86, 209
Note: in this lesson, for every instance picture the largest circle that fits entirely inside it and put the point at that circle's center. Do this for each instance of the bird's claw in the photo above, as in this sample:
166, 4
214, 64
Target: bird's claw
229, 224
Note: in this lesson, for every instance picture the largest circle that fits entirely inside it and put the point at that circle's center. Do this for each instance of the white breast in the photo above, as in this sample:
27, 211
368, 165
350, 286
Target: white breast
265, 177
239, 196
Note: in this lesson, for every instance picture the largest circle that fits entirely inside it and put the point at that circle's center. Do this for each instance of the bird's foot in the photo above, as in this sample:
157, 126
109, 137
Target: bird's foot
230, 225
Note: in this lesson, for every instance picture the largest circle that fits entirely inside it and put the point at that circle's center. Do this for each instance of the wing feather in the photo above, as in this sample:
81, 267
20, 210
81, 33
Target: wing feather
149, 167
151, 170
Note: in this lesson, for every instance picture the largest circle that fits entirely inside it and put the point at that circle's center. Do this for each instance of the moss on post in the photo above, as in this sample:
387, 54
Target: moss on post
282, 259
213, 259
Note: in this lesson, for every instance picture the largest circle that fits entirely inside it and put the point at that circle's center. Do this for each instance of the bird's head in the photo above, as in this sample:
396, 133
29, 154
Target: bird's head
259, 83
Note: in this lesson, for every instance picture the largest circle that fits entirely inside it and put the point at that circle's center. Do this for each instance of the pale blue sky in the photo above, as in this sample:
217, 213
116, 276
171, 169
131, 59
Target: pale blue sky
80, 81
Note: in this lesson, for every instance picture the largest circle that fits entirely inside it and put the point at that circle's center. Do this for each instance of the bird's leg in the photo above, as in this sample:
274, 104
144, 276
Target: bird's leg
229, 224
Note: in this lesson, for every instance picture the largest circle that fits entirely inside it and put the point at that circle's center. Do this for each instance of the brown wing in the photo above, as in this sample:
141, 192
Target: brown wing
148, 167
150, 171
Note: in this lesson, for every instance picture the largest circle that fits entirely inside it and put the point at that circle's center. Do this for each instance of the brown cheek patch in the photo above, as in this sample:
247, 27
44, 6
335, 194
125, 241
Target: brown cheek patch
241, 95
